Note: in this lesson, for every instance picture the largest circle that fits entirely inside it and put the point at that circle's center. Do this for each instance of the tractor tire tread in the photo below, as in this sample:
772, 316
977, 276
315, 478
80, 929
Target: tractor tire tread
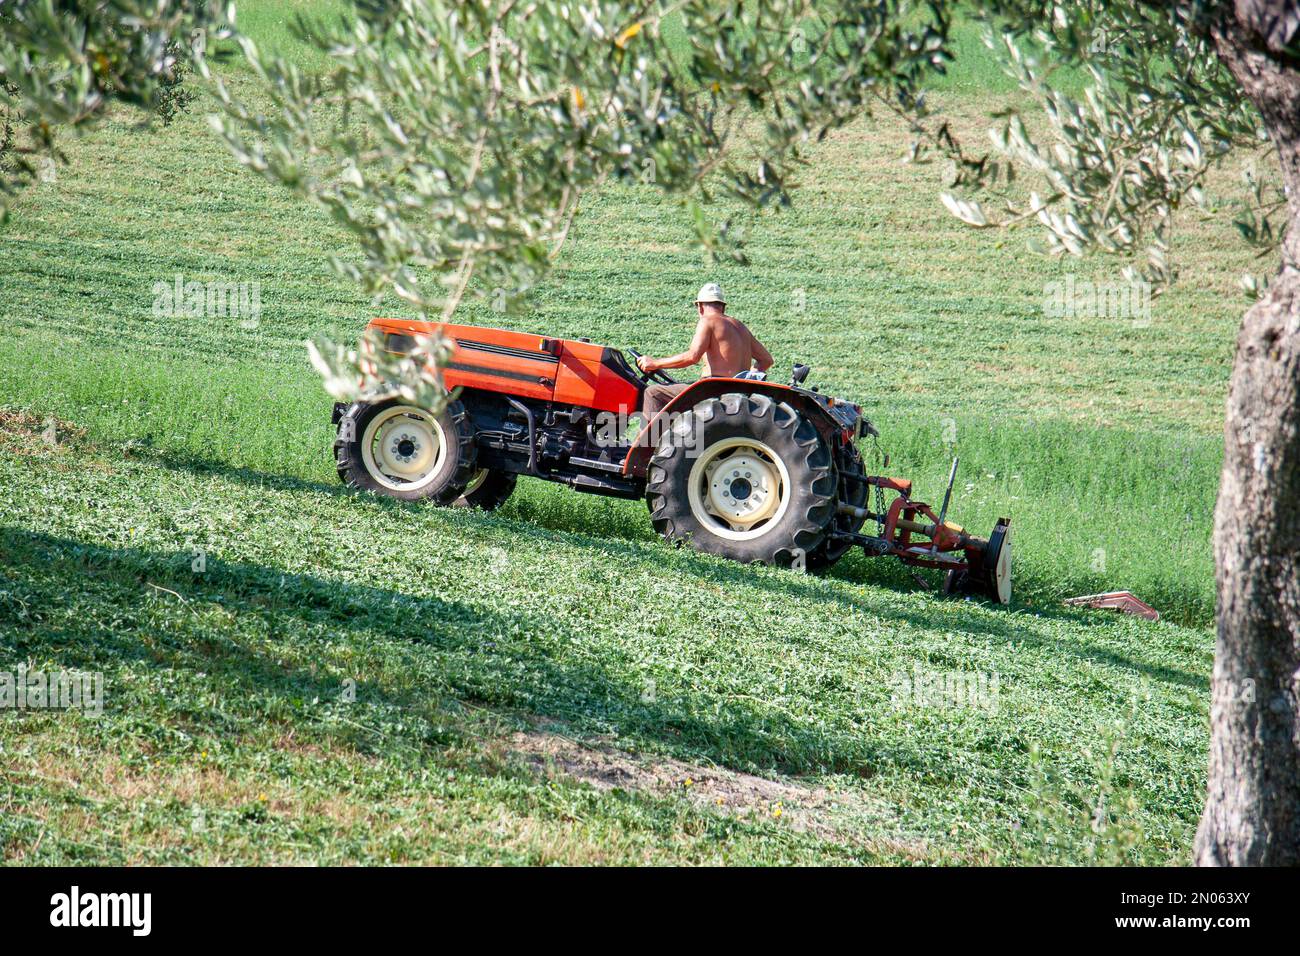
807, 458
496, 488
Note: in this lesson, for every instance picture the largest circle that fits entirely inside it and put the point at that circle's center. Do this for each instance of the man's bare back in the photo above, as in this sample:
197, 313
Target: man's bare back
731, 346
725, 345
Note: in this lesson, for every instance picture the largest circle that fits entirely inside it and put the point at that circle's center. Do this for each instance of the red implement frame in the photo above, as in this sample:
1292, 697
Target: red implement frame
901, 523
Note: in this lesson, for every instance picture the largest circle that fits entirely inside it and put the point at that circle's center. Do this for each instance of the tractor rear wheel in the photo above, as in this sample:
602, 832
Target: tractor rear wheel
744, 477
406, 452
488, 489
851, 492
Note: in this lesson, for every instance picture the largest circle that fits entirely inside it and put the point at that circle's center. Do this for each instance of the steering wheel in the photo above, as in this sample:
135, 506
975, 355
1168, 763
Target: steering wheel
657, 376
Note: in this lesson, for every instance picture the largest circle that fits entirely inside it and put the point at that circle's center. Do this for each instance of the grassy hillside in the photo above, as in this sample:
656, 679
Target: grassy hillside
550, 682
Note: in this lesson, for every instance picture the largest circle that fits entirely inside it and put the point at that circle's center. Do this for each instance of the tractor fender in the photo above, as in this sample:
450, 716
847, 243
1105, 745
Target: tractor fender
638, 458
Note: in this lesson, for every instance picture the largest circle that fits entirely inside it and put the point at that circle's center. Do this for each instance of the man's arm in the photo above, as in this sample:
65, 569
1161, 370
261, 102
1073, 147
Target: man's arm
699, 345
762, 357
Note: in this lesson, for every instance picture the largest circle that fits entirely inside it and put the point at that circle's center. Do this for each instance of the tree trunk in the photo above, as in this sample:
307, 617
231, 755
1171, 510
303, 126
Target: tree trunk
1252, 808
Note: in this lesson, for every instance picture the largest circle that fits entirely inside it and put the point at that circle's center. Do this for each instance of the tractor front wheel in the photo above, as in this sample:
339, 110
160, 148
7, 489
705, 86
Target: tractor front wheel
406, 452
744, 477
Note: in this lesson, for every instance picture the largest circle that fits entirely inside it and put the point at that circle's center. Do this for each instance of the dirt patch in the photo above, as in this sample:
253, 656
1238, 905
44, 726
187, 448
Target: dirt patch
22, 433
598, 763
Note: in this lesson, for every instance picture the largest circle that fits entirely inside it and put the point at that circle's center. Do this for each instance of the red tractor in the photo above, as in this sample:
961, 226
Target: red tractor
745, 468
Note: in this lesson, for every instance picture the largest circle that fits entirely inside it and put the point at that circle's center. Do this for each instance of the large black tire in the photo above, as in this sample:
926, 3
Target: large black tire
488, 489
443, 487
850, 492
793, 531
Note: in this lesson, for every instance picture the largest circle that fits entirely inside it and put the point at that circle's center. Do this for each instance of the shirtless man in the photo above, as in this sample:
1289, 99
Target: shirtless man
726, 345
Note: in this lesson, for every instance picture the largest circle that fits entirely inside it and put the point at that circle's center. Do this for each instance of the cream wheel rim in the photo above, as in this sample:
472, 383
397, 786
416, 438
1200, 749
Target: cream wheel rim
476, 482
739, 488
404, 448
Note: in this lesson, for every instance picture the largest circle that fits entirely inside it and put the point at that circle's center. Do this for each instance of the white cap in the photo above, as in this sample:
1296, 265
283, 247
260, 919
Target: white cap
710, 292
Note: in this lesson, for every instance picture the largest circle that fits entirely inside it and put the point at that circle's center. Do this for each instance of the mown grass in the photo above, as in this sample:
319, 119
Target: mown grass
1099, 437
225, 684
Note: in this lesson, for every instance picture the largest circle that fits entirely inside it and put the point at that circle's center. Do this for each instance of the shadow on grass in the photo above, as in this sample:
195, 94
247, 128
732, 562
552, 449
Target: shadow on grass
544, 505
608, 520
253, 620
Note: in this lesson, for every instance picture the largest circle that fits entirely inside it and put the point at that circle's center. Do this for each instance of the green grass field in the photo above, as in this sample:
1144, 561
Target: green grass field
349, 679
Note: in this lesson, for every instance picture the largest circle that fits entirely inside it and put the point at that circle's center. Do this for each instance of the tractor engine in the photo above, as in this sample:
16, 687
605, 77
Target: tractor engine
544, 439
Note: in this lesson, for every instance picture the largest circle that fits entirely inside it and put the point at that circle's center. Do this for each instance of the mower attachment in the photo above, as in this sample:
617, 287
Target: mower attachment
989, 574
974, 566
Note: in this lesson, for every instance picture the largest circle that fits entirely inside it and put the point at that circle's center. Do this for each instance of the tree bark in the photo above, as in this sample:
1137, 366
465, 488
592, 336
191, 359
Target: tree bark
1252, 809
